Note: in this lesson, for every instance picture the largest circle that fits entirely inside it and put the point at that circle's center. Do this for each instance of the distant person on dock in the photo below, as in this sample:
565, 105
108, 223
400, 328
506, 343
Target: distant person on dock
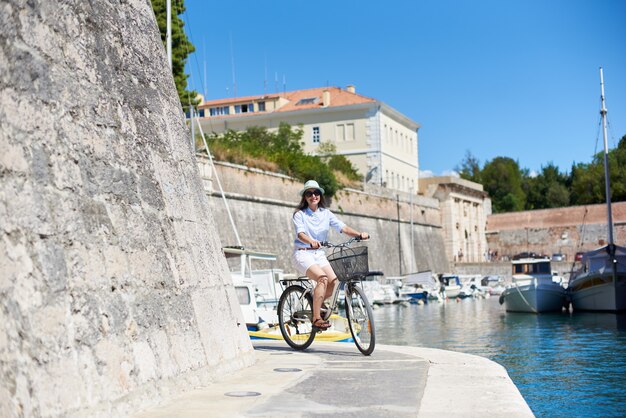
312, 222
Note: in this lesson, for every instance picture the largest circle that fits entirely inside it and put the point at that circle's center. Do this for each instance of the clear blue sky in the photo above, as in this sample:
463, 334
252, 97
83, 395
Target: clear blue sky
514, 78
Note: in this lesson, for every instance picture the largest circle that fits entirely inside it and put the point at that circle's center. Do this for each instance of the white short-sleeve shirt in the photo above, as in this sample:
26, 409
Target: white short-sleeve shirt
315, 224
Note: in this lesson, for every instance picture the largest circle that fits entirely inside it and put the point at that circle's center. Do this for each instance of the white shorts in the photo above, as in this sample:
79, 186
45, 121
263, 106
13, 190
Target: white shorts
303, 259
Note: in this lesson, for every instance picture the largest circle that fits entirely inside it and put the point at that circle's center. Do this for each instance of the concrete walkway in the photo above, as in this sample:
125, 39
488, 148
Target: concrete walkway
334, 379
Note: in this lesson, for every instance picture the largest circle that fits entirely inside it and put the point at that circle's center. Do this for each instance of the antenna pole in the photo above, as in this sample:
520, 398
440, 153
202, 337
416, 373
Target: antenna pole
169, 32
265, 77
607, 180
232, 60
204, 52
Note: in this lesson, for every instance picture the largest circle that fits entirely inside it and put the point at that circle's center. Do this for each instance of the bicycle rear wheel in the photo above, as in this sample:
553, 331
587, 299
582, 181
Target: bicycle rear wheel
360, 319
295, 311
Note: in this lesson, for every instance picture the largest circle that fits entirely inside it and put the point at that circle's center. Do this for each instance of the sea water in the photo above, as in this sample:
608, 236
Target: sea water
564, 364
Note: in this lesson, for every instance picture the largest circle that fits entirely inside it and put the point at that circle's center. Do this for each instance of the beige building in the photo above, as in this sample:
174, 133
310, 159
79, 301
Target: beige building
464, 210
379, 141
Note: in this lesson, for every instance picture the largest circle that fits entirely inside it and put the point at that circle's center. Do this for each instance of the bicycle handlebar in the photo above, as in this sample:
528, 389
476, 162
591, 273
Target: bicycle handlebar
328, 244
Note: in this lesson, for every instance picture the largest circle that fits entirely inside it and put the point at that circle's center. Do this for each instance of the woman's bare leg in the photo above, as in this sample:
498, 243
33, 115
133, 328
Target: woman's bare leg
317, 274
332, 281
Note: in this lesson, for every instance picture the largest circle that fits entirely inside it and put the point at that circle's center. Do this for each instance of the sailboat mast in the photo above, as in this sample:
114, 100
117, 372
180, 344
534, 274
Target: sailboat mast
607, 180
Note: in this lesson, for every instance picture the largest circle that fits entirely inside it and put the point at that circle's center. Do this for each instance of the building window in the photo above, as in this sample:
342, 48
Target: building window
243, 295
261, 106
244, 108
316, 134
349, 132
217, 111
341, 132
345, 132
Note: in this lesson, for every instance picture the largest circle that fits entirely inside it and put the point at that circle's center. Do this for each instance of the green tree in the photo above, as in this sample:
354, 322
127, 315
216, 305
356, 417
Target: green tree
548, 189
588, 179
509, 186
181, 47
617, 165
502, 179
469, 169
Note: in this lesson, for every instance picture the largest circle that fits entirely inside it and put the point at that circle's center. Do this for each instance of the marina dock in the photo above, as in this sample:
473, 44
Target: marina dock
334, 379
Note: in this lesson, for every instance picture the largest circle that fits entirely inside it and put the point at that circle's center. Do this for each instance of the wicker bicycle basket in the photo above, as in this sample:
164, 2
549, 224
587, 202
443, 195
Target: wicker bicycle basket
349, 262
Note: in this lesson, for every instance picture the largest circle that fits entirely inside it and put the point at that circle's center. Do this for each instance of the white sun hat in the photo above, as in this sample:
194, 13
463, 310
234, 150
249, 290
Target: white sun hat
311, 184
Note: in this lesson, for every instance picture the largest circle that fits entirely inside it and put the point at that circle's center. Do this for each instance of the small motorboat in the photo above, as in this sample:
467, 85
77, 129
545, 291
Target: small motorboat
533, 289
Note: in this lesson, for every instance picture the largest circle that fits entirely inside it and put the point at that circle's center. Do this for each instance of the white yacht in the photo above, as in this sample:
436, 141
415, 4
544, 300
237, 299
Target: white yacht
415, 287
450, 286
258, 290
532, 289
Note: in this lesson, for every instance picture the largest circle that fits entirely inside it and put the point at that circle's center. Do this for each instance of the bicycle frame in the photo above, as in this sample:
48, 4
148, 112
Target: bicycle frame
341, 284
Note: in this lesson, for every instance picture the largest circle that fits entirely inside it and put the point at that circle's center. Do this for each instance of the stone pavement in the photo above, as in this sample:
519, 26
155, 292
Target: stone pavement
334, 379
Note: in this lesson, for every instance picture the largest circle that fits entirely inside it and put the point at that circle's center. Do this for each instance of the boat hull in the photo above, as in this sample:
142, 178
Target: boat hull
599, 293
325, 336
338, 332
533, 298
452, 292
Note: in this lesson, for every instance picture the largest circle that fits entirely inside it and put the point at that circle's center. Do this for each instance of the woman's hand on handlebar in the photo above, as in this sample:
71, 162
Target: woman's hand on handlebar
362, 236
315, 244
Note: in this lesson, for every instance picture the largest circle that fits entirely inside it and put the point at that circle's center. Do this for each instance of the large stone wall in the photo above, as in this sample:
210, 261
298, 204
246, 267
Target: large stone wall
548, 231
113, 289
262, 204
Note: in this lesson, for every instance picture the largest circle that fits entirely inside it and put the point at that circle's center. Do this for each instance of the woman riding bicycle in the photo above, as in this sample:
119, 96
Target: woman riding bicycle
312, 222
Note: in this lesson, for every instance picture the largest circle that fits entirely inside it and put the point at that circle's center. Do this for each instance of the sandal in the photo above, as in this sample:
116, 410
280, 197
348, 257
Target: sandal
321, 324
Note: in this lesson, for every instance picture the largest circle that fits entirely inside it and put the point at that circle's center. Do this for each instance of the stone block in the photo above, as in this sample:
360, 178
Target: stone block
59, 389
145, 362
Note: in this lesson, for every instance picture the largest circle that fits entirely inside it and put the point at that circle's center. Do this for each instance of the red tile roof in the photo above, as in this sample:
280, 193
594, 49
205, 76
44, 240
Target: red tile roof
338, 97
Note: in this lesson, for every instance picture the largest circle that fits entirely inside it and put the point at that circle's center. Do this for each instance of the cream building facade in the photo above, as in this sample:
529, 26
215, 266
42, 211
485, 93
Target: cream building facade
464, 207
381, 142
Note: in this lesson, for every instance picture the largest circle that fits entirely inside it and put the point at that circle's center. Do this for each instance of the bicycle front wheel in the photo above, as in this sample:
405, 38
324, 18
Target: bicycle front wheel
360, 319
295, 312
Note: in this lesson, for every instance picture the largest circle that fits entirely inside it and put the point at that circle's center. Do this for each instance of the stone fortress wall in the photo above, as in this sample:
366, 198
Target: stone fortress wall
114, 293
262, 204
549, 231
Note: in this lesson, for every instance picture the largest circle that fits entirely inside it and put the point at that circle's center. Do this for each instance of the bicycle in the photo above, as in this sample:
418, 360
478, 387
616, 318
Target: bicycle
295, 306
